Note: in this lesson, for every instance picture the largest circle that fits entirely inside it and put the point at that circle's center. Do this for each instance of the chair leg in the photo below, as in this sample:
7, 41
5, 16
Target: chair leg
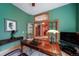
23, 54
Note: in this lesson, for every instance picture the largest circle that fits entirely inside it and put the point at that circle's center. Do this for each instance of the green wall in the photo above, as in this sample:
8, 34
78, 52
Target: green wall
66, 16
77, 5
9, 11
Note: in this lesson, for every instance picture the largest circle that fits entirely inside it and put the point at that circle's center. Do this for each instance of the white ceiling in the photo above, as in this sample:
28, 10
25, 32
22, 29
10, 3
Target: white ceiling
38, 8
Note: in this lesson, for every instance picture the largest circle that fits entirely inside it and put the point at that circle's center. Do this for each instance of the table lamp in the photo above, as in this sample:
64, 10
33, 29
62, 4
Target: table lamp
52, 35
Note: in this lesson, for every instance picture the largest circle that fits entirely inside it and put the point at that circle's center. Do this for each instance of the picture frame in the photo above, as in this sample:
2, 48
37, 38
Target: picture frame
10, 25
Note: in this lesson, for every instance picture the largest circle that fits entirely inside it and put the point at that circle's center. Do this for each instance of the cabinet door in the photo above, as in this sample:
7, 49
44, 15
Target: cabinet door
41, 25
44, 27
37, 29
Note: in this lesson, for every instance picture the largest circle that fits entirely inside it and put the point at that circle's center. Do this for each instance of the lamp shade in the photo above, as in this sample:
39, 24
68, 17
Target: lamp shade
53, 31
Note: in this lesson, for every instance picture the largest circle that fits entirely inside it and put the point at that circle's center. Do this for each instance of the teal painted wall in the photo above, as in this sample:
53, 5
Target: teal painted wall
77, 17
11, 12
66, 16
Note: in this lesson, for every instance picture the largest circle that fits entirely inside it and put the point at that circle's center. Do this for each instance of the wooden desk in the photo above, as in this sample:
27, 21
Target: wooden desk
47, 48
7, 41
